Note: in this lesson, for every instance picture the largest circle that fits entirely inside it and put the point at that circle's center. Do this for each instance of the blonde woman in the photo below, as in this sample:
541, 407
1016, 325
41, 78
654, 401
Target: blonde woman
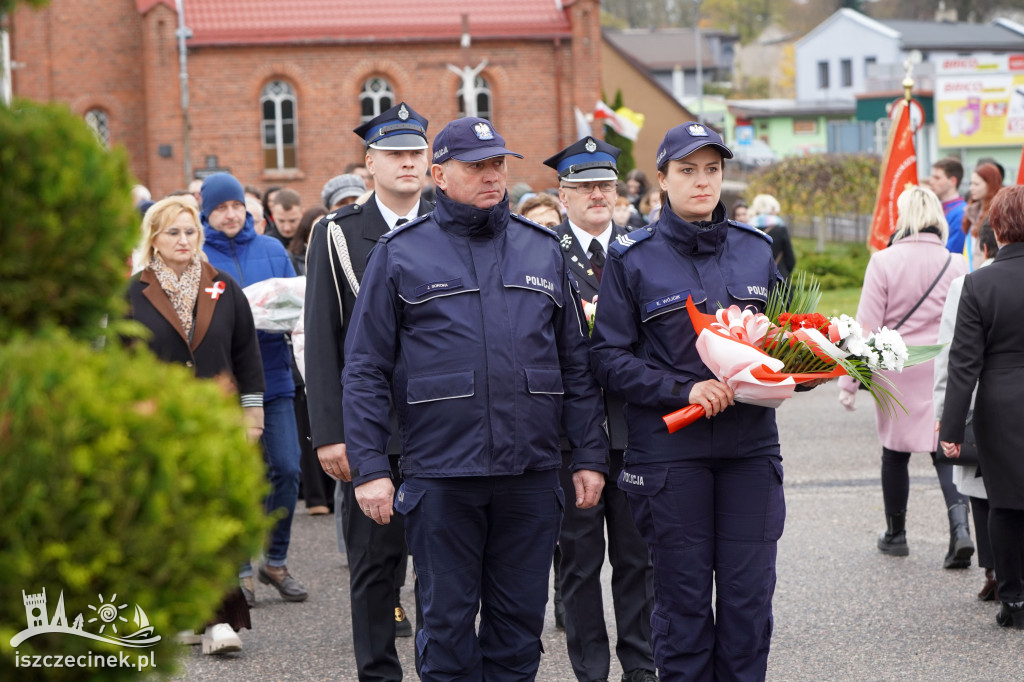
764, 215
905, 288
199, 318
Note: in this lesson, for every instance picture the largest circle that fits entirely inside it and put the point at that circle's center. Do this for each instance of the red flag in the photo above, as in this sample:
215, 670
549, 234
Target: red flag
1020, 170
899, 171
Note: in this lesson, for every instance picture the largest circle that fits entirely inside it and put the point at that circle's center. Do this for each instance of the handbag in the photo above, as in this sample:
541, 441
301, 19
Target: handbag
968, 450
949, 259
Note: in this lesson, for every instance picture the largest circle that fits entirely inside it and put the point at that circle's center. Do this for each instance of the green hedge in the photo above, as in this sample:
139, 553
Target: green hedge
840, 266
67, 227
122, 475
820, 185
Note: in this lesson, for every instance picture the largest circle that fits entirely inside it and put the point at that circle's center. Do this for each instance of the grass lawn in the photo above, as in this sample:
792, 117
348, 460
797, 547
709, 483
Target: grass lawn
839, 301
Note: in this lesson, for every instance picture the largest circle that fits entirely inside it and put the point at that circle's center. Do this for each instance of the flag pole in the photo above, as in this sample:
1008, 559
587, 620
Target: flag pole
898, 169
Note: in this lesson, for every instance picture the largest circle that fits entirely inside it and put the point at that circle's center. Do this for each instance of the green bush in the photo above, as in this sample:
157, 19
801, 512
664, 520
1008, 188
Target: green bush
122, 475
840, 266
67, 226
820, 185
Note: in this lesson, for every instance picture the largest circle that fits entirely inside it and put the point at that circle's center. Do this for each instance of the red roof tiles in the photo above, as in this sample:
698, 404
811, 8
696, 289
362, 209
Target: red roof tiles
277, 21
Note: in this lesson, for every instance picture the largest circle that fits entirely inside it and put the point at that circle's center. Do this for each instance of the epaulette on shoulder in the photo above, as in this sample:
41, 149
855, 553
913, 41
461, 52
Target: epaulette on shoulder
343, 212
624, 242
537, 226
751, 228
402, 228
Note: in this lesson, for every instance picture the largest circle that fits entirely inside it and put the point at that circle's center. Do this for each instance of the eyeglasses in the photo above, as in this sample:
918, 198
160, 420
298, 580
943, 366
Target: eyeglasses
175, 233
587, 188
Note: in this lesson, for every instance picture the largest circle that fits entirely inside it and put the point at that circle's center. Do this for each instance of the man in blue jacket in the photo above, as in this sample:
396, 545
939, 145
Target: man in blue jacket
233, 246
467, 321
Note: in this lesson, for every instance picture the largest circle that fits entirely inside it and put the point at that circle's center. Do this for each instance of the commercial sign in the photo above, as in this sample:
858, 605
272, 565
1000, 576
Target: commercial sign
979, 100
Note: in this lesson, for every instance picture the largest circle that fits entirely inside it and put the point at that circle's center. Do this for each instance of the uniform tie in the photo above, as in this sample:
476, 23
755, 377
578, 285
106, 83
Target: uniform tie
596, 254
401, 221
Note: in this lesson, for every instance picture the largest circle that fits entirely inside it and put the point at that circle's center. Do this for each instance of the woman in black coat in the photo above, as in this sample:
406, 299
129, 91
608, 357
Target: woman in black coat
199, 318
987, 351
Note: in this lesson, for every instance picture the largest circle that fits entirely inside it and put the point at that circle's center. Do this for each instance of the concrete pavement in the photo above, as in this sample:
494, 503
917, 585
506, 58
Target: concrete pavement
843, 611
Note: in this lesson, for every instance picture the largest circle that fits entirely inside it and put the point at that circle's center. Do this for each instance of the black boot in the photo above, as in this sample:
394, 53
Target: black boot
894, 540
960, 546
1011, 615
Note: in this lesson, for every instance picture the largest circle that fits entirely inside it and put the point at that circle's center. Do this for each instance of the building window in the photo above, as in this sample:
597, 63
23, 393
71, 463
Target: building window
278, 105
483, 99
823, 75
98, 122
868, 63
377, 97
846, 72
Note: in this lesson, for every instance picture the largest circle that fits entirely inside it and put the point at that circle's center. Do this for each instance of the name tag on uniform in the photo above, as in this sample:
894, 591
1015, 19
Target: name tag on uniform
431, 287
671, 299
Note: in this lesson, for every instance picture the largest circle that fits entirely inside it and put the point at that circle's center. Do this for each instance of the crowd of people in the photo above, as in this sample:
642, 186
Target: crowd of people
444, 396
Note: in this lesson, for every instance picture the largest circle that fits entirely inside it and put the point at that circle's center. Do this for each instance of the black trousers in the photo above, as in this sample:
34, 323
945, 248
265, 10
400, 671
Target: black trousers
582, 545
980, 511
896, 481
1006, 530
377, 563
317, 486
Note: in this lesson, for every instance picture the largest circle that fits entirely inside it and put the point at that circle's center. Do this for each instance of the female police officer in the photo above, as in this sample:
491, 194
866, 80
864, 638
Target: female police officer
707, 499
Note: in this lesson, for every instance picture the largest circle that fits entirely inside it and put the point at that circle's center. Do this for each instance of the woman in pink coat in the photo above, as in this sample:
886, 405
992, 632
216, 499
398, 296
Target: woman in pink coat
896, 280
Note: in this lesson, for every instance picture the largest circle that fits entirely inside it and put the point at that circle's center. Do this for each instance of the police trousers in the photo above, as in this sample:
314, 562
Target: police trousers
481, 544
710, 521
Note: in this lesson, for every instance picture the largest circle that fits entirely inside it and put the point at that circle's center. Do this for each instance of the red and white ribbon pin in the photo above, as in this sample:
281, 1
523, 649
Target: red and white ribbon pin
216, 290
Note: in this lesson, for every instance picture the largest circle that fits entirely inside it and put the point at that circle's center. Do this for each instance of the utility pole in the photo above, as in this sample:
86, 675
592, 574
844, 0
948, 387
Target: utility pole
698, 45
6, 91
186, 119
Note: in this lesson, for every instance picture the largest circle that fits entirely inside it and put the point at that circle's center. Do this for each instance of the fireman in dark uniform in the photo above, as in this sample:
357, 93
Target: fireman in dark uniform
587, 177
396, 155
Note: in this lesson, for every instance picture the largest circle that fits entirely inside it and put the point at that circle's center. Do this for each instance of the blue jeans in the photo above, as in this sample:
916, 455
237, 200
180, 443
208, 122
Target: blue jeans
281, 453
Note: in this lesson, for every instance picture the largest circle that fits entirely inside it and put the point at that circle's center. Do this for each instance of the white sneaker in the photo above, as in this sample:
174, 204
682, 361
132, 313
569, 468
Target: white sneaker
221, 639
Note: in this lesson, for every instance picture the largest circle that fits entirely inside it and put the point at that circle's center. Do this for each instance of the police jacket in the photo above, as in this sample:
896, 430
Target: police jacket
469, 317
644, 345
249, 258
578, 261
326, 323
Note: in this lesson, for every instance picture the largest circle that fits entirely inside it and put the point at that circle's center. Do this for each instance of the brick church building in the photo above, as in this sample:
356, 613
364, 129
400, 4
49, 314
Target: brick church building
275, 88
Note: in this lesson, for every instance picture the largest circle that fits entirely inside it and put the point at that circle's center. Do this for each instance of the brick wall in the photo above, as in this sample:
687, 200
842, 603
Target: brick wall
86, 53
103, 53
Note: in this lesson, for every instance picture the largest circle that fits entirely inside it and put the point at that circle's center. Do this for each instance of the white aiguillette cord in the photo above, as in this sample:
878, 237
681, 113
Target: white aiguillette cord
337, 237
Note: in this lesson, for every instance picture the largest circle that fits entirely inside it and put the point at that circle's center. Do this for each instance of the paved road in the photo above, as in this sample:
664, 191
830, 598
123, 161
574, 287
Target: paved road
842, 610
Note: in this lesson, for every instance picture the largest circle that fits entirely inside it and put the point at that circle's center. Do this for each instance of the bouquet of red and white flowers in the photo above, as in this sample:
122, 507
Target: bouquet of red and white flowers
762, 357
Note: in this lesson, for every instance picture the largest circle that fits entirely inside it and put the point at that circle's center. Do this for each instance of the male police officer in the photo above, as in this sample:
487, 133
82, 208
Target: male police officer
396, 154
587, 177
468, 319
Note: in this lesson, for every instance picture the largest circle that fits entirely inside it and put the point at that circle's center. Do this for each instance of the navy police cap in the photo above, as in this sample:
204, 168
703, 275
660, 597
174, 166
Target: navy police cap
469, 139
586, 160
397, 128
687, 138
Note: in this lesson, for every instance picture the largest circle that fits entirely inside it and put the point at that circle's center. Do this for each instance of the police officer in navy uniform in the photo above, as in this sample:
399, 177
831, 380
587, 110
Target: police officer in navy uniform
587, 176
708, 499
469, 323
396, 155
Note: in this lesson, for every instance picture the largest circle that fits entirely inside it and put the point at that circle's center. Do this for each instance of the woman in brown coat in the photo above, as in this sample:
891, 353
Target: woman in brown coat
199, 318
